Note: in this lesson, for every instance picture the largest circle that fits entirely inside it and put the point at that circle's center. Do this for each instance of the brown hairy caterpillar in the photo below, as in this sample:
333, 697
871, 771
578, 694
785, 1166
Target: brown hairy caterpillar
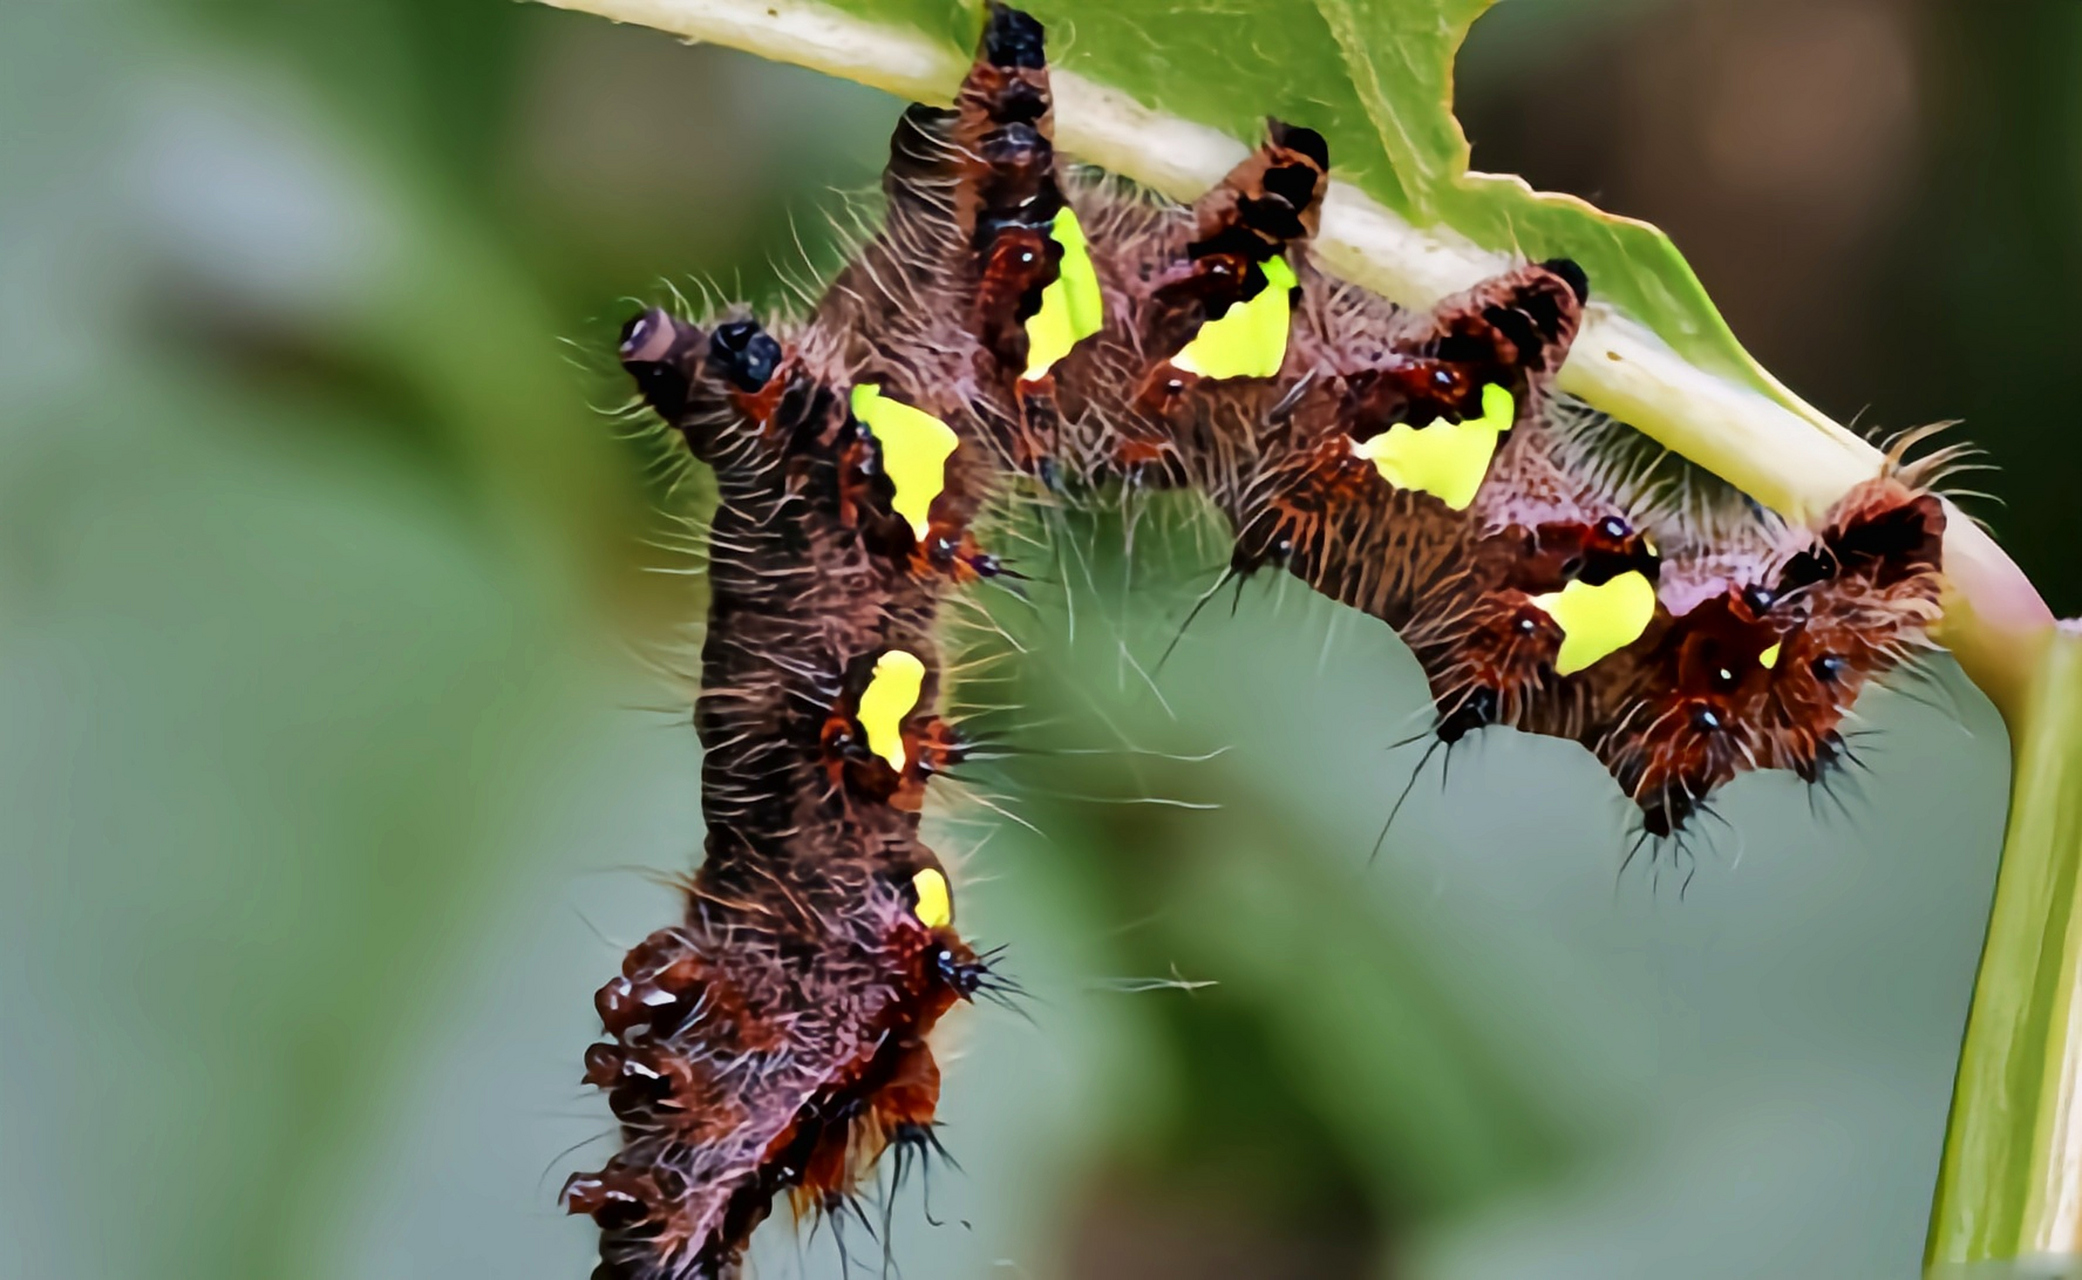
1012, 325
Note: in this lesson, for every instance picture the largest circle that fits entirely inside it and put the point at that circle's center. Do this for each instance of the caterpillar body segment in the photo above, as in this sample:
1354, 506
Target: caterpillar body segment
1762, 674
1866, 595
1016, 322
1222, 308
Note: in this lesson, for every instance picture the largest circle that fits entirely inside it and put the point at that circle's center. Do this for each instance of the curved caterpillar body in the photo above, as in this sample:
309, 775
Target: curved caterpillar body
1016, 325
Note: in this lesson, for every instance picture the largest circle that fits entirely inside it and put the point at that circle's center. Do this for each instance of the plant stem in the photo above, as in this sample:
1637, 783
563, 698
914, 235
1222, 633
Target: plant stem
2011, 1182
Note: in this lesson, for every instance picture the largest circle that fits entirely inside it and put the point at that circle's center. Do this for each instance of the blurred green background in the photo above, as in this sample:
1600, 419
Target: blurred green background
336, 769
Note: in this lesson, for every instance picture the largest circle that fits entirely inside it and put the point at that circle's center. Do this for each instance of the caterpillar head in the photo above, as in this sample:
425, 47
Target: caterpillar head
702, 381
1864, 595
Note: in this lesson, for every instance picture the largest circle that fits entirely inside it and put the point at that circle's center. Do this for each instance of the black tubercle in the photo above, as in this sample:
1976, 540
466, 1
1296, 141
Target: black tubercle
1466, 348
744, 354
1476, 711
1020, 153
1275, 217
1625, 552
1669, 813
1807, 569
1888, 546
1300, 138
964, 976
1239, 238
1020, 102
1294, 183
1014, 39
1516, 324
1896, 542
1572, 274
1544, 311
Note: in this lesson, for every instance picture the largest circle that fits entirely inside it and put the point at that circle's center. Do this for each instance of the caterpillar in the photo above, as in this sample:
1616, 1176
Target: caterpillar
1016, 326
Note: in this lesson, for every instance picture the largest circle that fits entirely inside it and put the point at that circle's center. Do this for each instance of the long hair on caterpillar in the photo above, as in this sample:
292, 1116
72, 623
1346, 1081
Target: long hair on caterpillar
1016, 332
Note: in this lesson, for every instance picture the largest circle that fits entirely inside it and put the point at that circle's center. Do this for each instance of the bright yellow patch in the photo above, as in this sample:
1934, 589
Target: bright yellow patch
1071, 309
935, 907
1446, 459
1250, 339
1769, 658
1599, 621
915, 448
891, 693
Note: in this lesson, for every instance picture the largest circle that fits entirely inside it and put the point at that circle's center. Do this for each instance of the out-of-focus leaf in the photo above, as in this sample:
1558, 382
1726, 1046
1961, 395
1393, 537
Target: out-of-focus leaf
270, 716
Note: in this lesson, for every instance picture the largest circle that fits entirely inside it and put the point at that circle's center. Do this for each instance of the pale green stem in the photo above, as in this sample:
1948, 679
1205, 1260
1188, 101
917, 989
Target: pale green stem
2011, 1182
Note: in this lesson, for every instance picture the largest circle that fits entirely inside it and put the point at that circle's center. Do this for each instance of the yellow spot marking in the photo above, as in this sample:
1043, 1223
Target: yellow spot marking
915, 447
1446, 459
1769, 658
1598, 621
1250, 339
935, 908
891, 693
1071, 310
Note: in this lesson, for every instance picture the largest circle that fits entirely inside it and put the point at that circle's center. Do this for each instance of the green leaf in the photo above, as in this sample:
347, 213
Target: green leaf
1409, 101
